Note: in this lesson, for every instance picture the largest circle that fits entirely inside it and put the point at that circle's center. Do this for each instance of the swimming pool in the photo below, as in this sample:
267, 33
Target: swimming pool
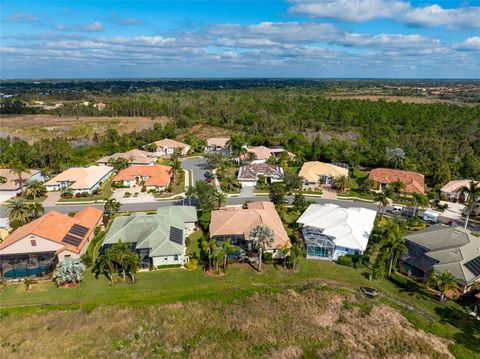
24, 272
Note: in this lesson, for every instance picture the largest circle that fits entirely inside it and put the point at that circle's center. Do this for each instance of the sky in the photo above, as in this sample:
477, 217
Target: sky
226, 39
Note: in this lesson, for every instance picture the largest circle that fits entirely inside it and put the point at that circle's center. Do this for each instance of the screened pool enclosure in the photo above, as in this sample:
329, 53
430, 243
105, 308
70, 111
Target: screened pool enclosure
318, 244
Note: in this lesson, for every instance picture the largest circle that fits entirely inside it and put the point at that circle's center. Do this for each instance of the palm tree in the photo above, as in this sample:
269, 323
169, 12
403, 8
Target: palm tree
472, 193
176, 166
262, 236
111, 206
236, 143
36, 209
397, 186
208, 247
394, 244
444, 281
368, 184
151, 147
341, 183
29, 282
3, 179
35, 189
67, 193
418, 200
382, 200
18, 169
105, 265
286, 250
230, 184
226, 247
18, 210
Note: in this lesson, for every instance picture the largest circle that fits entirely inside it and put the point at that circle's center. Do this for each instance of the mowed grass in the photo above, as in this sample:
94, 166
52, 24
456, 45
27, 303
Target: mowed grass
314, 322
178, 285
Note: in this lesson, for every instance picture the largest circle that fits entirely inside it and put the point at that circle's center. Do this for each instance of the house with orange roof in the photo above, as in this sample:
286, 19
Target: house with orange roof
36, 247
414, 181
168, 147
80, 179
236, 223
156, 177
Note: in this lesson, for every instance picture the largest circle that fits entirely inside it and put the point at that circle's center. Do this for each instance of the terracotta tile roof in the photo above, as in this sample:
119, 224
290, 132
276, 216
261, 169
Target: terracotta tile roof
454, 186
238, 221
217, 141
81, 177
170, 143
414, 181
158, 175
12, 183
252, 171
134, 156
55, 225
311, 171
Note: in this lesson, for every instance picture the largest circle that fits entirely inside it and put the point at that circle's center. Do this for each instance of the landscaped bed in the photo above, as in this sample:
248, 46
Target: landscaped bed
104, 193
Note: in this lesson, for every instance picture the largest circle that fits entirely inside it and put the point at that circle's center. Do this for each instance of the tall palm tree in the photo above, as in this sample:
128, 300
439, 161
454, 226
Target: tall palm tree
35, 189
394, 244
262, 236
472, 193
208, 248
382, 200
226, 247
37, 210
444, 281
18, 169
236, 143
151, 147
230, 184
397, 186
418, 200
341, 183
111, 206
18, 210
105, 265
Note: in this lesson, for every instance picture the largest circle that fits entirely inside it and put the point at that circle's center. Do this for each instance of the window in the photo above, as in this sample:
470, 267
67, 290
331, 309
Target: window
67, 256
33, 242
166, 258
175, 258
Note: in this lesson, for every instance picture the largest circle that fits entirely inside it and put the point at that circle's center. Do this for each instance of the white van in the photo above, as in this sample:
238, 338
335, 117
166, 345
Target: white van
397, 209
430, 216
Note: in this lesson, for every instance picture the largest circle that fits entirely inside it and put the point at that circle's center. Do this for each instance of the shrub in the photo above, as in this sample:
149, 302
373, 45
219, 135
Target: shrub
69, 271
87, 260
77, 195
192, 264
144, 189
135, 194
127, 194
345, 261
169, 266
267, 257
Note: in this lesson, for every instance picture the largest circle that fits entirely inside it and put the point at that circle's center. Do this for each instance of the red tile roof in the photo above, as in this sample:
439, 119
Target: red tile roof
54, 226
158, 175
414, 181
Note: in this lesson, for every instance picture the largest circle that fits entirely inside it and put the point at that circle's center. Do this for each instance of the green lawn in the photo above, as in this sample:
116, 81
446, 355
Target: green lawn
104, 193
177, 188
192, 242
181, 285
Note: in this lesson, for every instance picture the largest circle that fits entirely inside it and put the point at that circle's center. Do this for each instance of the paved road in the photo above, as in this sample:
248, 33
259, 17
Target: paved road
197, 166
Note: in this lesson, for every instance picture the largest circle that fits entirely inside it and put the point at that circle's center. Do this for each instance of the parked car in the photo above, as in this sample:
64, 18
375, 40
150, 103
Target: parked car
371, 292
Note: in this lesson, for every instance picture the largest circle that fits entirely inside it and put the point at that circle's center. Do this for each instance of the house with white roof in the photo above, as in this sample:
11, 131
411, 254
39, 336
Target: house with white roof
331, 231
452, 190
218, 145
168, 147
80, 179
10, 186
134, 157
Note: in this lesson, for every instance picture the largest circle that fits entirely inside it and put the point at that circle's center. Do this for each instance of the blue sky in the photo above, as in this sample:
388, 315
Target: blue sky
293, 38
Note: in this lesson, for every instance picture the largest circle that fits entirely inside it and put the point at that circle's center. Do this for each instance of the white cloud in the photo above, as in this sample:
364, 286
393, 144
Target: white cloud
470, 44
22, 17
93, 27
397, 10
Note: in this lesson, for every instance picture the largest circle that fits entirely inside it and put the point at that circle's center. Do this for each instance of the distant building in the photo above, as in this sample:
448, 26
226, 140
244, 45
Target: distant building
414, 181
168, 147
441, 248
158, 238
248, 175
156, 177
35, 248
11, 187
134, 158
236, 224
100, 106
331, 231
80, 179
218, 145
452, 190
262, 153
318, 173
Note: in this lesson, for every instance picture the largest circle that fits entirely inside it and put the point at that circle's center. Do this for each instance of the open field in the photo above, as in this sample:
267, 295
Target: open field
241, 281
389, 98
34, 127
302, 323
207, 131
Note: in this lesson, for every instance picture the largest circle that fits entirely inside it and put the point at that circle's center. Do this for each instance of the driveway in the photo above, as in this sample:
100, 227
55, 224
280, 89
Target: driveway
142, 197
52, 198
197, 167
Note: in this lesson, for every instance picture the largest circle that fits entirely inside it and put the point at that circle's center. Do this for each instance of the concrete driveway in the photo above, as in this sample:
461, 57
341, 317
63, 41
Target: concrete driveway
197, 167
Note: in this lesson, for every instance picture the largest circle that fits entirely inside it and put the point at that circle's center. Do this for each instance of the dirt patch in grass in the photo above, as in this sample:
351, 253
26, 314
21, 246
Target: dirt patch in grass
34, 127
207, 131
289, 324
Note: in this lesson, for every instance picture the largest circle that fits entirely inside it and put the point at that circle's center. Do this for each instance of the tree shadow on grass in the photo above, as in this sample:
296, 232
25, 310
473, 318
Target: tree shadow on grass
468, 327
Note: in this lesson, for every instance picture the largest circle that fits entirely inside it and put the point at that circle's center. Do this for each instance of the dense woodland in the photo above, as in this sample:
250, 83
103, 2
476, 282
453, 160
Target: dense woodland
441, 141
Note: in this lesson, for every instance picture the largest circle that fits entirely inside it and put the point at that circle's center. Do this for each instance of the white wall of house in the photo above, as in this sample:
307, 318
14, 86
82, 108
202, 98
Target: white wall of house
189, 228
31, 244
6, 195
341, 251
167, 260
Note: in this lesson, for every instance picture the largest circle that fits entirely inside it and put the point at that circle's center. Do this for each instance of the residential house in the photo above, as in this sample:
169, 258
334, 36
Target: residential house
135, 158
100, 106
35, 248
452, 190
441, 248
331, 231
414, 181
218, 145
167, 147
11, 187
262, 153
158, 238
156, 177
248, 175
316, 173
80, 179
236, 223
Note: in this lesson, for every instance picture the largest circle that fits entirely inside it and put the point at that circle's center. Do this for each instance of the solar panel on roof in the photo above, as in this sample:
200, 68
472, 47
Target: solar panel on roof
78, 230
69, 239
176, 235
474, 266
